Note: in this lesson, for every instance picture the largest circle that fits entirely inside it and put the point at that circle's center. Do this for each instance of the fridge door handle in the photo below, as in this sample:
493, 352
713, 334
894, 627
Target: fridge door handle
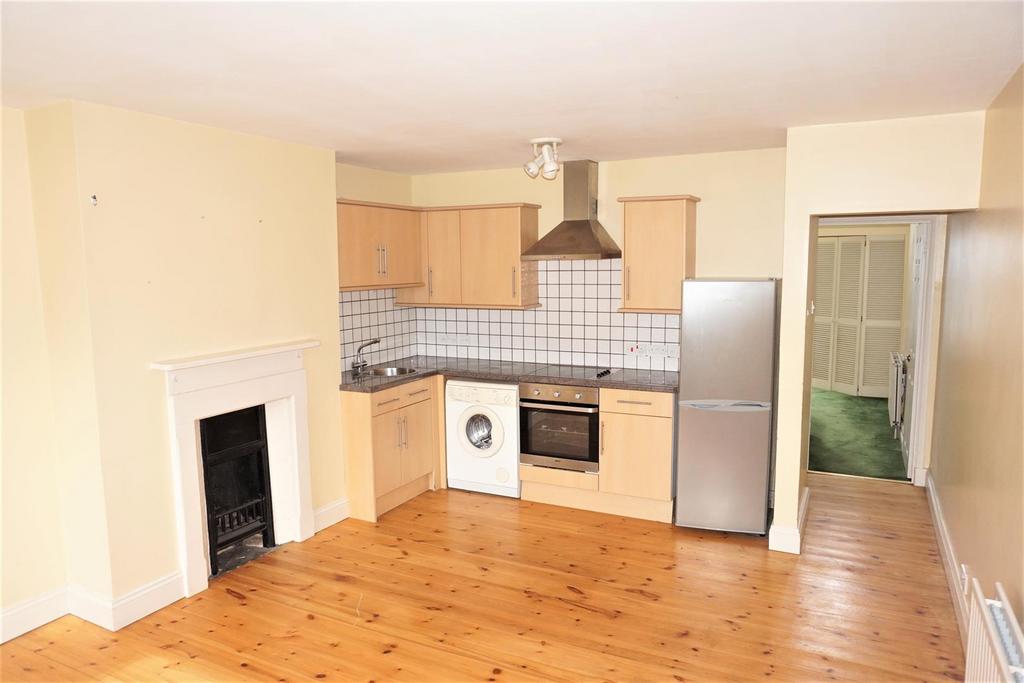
727, 406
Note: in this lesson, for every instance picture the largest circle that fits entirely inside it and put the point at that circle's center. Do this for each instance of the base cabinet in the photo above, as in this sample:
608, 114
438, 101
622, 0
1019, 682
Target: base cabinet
636, 455
635, 471
391, 442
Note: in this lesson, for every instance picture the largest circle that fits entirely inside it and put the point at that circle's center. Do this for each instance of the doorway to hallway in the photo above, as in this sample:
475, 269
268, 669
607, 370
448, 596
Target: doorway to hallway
870, 284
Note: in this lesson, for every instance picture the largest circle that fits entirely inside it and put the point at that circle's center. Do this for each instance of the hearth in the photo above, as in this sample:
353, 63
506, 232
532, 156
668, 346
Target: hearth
236, 476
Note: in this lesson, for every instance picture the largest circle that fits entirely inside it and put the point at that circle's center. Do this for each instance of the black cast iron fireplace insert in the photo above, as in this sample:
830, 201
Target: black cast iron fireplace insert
236, 476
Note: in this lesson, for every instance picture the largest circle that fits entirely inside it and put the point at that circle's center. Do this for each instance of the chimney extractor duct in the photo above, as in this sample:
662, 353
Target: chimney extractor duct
580, 235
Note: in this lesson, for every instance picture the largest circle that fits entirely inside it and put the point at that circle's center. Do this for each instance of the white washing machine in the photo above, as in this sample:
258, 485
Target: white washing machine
482, 434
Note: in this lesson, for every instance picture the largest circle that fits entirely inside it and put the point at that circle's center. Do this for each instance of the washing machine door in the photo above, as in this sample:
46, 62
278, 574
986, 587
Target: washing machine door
480, 432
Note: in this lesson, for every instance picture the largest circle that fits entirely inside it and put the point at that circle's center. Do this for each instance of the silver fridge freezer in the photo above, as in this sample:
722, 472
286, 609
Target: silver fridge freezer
727, 359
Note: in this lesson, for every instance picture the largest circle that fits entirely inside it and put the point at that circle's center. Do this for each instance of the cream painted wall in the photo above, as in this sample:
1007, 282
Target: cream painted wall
922, 164
203, 240
491, 187
978, 450
371, 185
26, 417
739, 219
69, 345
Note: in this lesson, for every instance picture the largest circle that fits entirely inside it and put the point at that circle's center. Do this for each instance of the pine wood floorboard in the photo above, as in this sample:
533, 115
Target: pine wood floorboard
454, 586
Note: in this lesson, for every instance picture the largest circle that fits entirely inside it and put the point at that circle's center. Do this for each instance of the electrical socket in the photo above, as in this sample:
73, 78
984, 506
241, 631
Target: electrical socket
648, 350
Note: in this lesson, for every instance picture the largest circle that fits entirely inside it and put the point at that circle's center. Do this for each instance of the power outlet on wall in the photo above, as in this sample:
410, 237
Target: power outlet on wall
648, 350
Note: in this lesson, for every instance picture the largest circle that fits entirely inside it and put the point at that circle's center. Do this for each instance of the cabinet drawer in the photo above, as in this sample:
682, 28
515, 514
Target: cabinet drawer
400, 396
548, 475
654, 403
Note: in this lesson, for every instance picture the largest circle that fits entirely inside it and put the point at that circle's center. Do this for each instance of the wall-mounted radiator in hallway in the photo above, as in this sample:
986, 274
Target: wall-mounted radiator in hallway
995, 645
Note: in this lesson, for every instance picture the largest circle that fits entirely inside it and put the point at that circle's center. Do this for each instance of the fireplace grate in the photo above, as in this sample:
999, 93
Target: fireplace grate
240, 521
236, 476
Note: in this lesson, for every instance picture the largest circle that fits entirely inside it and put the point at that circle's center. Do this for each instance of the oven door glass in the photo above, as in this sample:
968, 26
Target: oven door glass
558, 433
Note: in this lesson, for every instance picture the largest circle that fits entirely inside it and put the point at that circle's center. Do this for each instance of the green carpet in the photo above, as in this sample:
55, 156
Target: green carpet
851, 435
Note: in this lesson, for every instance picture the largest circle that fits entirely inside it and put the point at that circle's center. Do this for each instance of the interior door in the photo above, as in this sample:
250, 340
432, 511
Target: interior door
848, 312
885, 261
652, 268
824, 312
360, 238
387, 461
418, 440
490, 256
401, 239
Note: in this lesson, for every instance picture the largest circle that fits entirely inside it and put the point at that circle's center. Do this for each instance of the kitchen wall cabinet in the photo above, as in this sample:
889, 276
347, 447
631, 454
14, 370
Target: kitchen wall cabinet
659, 251
378, 246
473, 258
392, 444
440, 260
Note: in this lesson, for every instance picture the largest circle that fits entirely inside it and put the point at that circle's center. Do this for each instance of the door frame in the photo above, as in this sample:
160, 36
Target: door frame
928, 318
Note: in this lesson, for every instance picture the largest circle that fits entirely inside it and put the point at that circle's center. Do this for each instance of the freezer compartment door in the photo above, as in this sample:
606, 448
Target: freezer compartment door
724, 451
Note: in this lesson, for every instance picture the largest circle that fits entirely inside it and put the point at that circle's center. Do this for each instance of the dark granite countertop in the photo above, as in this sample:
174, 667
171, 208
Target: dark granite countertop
512, 372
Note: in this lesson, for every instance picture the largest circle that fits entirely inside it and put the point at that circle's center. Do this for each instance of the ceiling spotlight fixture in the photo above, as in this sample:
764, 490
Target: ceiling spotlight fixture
545, 158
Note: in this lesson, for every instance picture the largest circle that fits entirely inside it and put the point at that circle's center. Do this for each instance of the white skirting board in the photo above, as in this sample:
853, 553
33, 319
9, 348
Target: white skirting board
788, 539
33, 613
330, 514
957, 583
109, 614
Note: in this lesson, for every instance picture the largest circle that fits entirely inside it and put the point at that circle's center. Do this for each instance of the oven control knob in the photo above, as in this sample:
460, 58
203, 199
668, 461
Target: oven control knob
536, 392
556, 394
578, 396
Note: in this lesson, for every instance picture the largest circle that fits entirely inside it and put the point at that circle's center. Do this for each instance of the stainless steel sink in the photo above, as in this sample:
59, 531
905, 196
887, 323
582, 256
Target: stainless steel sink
392, 372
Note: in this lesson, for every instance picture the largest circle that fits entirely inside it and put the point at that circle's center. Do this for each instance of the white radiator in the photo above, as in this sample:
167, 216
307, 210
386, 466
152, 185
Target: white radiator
897, 390
995, 646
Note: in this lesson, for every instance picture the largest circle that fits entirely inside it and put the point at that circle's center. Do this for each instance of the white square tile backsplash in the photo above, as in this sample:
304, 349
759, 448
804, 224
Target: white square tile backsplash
576, 324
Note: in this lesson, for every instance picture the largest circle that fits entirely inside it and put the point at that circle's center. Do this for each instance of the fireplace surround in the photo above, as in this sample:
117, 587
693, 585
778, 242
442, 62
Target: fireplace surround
206, 386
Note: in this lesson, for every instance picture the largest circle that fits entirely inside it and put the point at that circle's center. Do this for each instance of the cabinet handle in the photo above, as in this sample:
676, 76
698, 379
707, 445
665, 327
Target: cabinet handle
385, 249
513, 283
627, 283
405, 432
635, 403
398, 426
390, 400
380, 263
419, 391
430, 281
602, 437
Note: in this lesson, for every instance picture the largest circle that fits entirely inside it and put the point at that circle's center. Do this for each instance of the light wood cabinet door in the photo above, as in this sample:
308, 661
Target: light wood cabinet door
491, 250
636, 456
658, 253
387, 453
419, 440
440, 260
400, 237
360, 240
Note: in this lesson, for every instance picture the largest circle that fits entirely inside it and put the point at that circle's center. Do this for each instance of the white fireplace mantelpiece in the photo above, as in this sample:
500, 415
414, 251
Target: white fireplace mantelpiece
204, 386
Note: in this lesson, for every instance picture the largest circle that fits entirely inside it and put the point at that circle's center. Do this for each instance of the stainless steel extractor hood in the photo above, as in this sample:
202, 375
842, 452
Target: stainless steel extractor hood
580, 235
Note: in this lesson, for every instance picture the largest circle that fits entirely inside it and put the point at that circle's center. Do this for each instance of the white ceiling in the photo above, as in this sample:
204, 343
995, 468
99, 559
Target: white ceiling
422, 87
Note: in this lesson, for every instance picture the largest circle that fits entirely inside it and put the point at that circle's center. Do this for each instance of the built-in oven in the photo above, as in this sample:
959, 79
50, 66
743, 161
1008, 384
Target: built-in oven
559, 427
